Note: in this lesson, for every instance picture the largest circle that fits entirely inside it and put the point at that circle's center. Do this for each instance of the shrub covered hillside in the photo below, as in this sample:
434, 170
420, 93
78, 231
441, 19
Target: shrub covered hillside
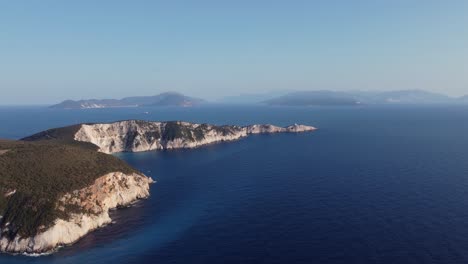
62, 134
33, 175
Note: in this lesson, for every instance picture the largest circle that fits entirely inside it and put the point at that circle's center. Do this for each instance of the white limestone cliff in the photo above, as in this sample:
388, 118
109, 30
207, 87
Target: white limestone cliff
109, 191
118, 189
136, 136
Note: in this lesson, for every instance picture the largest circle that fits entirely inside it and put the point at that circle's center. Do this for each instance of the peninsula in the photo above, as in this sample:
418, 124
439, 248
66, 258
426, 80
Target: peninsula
52, 194
58, 185
137, 135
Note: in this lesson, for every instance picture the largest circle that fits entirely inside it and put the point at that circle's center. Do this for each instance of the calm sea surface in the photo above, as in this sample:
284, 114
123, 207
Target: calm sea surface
373, 185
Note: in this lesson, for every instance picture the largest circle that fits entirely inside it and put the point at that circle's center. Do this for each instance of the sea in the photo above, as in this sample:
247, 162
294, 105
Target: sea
374, 184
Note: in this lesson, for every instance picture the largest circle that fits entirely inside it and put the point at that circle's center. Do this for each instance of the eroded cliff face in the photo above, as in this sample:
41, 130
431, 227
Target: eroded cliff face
91, 211
88, 208
136, 136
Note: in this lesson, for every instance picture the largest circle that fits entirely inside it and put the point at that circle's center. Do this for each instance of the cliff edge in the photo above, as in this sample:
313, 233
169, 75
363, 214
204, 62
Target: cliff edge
53, 194
137, 135
58, 185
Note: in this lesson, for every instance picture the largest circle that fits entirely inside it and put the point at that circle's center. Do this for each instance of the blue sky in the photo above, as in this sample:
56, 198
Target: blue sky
55, 50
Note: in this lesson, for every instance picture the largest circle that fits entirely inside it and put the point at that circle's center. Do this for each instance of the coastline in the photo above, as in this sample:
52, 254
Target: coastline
109, 192
117, 189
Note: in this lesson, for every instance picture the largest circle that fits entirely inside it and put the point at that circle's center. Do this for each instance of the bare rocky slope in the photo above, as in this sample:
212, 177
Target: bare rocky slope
136, 135
58, 185
93, 202
52, 194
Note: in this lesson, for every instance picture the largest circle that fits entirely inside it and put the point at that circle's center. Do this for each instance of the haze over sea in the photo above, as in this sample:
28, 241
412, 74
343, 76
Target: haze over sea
375, 184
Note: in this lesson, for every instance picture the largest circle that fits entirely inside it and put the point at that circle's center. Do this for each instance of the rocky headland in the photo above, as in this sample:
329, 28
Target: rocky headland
58, 185
137, 135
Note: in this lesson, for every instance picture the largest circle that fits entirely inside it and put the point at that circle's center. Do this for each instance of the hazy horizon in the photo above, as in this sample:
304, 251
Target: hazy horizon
52, 51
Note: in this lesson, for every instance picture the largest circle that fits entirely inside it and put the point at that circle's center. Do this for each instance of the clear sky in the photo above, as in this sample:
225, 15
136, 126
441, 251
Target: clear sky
55, 50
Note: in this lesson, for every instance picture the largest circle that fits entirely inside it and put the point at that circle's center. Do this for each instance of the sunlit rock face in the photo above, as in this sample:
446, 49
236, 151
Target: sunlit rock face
136, 136
93, 204
88, 209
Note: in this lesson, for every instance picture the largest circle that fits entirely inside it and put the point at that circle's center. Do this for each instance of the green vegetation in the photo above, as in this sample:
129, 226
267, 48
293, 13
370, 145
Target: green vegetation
175, 130
171, 130
41, 172
200, 131
224, 130
43, 167
63, 134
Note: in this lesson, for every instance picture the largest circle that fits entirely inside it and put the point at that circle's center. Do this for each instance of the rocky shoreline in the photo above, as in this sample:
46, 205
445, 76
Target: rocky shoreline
108, 192
87, 209
138, 136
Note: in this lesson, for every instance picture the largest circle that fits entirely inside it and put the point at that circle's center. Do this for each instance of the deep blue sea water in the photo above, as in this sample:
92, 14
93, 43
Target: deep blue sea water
373, 185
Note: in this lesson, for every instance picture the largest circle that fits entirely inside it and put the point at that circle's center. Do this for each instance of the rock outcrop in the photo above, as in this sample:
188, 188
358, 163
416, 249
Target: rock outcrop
136, 136
91, 207
85, 208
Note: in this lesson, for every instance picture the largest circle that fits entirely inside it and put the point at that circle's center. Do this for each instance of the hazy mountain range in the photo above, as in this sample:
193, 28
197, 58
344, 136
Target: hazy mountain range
463, 99
163, 99
251, 98
325, 97
301, 98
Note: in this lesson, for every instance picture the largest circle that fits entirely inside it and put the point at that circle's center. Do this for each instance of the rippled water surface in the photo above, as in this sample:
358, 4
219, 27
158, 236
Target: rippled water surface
373, 185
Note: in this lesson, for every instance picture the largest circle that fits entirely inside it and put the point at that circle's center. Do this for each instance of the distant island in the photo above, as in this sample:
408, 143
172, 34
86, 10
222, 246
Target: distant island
298, 98
310, 98
325, 97
463, 99
58, 185
163, 99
